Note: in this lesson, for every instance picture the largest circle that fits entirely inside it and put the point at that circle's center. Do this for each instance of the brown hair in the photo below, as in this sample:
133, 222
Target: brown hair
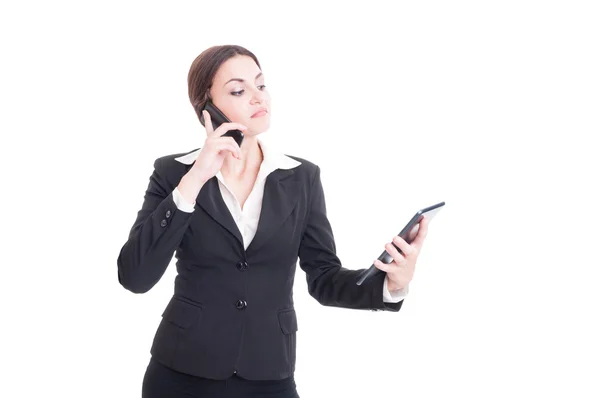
203, 71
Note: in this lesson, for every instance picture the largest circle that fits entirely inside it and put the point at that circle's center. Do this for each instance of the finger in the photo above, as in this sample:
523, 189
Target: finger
234, 144
383, 267
225, 145
220, 140
403, 245
207, 123
225, 127
420, 238
398, 257
412, 234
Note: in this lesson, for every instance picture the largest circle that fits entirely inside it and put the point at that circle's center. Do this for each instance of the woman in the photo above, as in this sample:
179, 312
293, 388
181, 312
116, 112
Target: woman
238, 219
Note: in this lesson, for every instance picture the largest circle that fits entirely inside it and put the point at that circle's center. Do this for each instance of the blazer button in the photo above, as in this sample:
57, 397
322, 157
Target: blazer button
163, 223
242, 266
168, 213
241, 304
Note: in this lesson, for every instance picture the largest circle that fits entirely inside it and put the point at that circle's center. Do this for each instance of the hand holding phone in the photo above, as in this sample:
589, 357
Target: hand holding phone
217, 144
216, 147
408, 233
218, 118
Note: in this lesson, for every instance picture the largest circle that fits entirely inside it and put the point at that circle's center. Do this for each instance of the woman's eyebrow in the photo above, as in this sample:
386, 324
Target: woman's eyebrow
237, 79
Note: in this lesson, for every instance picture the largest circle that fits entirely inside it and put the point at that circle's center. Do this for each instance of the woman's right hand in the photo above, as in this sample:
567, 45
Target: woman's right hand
210, 159
216, 148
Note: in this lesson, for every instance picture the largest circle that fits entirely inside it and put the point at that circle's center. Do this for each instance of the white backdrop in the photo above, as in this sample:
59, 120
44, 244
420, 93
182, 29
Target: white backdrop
489, 106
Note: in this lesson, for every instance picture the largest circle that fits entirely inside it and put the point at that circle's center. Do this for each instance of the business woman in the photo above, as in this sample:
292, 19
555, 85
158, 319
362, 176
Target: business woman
238, 219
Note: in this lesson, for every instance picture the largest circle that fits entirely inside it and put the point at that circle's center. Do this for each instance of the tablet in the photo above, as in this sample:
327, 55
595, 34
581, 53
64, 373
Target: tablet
408, 233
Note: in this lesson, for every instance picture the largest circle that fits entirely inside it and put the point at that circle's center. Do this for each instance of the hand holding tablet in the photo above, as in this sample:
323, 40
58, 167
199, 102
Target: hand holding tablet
408, 233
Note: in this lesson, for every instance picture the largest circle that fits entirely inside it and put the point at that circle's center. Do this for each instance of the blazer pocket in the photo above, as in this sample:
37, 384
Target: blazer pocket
288, 321
181, 313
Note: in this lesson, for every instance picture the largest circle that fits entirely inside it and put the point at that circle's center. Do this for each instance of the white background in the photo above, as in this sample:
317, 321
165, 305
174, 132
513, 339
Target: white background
490, 106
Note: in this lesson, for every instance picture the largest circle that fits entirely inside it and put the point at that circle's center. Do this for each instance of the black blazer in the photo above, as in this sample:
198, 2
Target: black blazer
232, 310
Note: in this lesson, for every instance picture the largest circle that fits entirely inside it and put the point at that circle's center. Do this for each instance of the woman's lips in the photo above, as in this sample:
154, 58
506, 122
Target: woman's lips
260, 113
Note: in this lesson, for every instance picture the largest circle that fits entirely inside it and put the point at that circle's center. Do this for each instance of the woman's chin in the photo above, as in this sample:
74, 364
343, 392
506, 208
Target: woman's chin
257, 128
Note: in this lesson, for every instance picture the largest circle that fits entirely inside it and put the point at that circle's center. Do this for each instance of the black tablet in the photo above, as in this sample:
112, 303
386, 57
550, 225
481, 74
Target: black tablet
408, 233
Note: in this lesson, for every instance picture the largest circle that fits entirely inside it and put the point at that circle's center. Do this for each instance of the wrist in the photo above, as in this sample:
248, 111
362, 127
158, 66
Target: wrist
195, 176
189, 187
392, 286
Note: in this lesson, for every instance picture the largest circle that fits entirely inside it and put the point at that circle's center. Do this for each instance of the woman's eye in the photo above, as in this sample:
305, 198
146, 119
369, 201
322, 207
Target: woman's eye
238, 93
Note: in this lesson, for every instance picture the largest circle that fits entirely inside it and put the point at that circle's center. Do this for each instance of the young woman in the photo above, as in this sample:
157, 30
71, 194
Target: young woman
238, 219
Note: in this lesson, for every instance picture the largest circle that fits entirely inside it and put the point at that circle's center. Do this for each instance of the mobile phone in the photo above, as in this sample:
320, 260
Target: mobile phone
218, 118
408, 233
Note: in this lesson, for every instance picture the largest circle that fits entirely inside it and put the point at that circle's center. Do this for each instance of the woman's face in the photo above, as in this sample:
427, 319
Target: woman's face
238, 90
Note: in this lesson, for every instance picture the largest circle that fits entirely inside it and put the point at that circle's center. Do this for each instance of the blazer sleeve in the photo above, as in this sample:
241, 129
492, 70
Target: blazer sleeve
328, 282
155, 235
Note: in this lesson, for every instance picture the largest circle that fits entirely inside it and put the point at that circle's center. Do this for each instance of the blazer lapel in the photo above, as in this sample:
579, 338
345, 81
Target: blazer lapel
279, 199
211, 200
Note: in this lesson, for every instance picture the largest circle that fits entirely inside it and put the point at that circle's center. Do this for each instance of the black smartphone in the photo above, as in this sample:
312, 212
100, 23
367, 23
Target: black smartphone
408, 233
218, 118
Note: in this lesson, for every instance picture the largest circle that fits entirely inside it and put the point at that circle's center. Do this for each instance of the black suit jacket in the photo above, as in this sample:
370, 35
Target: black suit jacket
232, 310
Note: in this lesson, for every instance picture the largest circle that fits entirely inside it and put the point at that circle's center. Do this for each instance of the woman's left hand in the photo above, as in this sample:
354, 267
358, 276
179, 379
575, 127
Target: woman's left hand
401, 270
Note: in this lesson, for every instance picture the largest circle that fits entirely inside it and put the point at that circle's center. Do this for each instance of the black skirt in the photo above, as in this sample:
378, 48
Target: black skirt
161, 381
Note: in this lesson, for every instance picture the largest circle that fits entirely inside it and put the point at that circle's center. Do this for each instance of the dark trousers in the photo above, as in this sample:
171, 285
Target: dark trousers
161, 381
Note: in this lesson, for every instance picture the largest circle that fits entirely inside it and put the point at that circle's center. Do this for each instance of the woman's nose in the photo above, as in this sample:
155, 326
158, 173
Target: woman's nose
258, 97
